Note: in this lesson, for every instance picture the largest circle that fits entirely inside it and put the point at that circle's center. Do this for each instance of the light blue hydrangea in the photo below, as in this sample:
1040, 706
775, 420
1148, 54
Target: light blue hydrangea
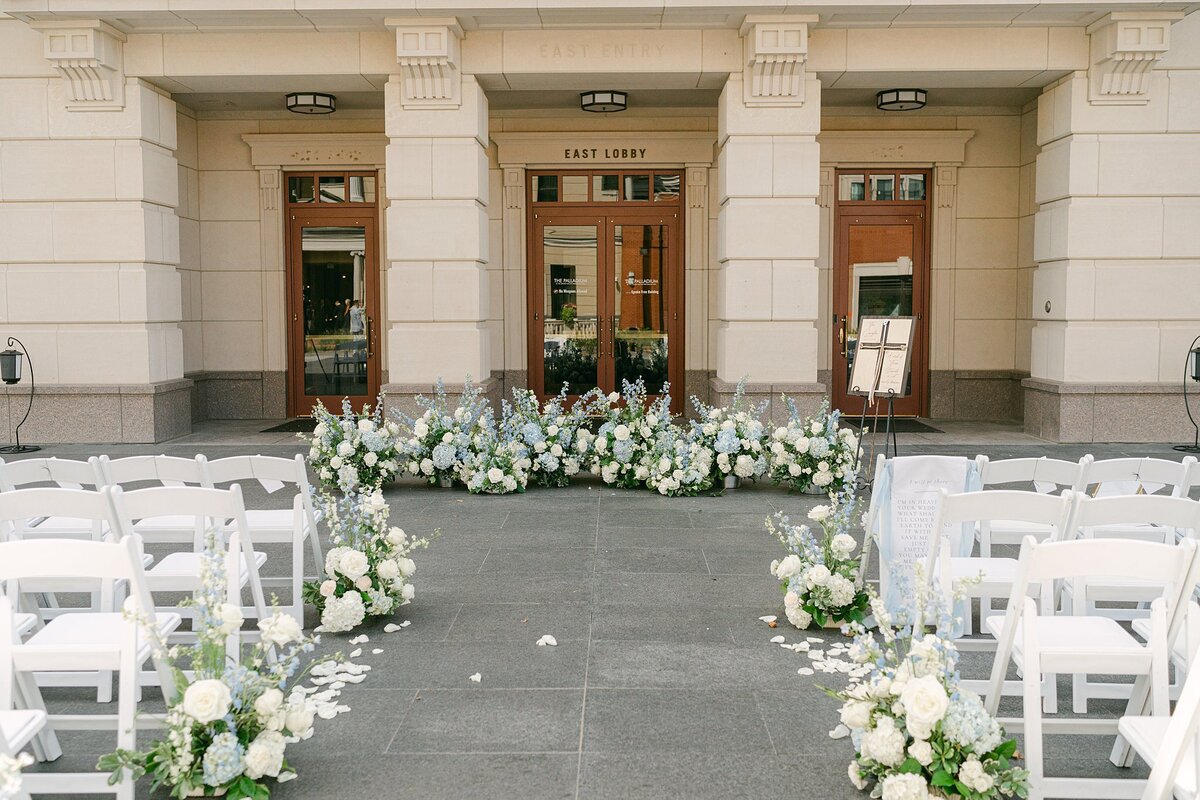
222, 760
968, 724
531, 432
547, 462
443, 456
623, 450
373, 441
818, 447
727, 441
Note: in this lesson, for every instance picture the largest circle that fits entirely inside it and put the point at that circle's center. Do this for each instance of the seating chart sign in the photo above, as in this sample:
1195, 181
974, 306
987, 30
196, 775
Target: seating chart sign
908, 516
881, 357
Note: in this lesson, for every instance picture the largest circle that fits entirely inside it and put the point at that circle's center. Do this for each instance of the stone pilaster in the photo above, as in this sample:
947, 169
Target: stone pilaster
437, 217
768, 238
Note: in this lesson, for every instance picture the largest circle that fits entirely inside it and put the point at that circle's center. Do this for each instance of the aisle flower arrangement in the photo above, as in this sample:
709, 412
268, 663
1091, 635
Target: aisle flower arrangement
369, 569
735, 434
819, 574
632, 425
353, 450
679, 465
439, 441
813, 454
227, 730
550, 433
919, 734
498, 462
10, 773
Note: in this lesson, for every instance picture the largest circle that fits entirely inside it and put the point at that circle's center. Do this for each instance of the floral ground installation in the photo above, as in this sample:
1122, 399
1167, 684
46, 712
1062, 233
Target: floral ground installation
635, 444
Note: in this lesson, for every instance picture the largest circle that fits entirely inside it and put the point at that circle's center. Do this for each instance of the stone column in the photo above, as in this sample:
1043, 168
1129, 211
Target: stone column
88, 191
437, 220
1115, 294
768, 236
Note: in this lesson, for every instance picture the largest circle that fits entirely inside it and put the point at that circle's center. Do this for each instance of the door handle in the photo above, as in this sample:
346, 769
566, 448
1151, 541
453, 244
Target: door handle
842, 340
612, 336
367, 330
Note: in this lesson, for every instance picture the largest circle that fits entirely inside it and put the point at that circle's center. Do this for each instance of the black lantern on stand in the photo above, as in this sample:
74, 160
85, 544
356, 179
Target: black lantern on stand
1191, 370
10, 372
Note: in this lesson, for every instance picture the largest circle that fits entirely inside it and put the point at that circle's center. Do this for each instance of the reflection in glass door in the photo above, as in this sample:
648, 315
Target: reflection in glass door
639, 320
333, 296
570, 307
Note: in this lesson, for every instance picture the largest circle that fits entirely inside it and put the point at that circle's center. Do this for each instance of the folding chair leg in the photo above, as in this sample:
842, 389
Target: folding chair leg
104, 687
1032, 703
1079, 693
318, 556
1122, 754
46, 746
297, 609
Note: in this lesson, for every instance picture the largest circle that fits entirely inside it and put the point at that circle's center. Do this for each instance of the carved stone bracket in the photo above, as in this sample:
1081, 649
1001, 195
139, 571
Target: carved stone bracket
268, 187
825, 193
514, 188
1125, 46
775, 50
947, 181
88, 54
429, 54
697, 186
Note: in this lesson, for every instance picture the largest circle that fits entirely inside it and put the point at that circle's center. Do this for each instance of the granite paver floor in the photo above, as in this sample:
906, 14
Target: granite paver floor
663, 683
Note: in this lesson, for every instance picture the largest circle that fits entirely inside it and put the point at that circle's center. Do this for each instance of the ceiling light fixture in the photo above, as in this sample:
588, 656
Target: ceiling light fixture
603, 102
900, 99
311, 103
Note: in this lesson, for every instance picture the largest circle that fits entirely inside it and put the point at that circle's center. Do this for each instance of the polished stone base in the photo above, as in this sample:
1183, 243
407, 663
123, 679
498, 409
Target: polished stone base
238, 395
808, 397
992, 395
130, 414
1064, 412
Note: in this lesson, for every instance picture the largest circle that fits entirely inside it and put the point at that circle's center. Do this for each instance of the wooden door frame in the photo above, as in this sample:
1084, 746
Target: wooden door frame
295, 219
845, 212
602, 215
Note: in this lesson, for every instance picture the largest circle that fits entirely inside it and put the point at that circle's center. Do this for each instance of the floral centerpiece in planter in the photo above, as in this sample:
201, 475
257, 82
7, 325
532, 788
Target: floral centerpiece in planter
550, 432
679, 465
498, 462
439, 440
736, 435
917, 732
355, 450
10, 774
819, 575
369, 568
812, 454
631, 426
228, 728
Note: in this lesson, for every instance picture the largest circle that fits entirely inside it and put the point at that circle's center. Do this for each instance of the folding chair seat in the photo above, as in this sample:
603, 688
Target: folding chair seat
290, 526
1041, 643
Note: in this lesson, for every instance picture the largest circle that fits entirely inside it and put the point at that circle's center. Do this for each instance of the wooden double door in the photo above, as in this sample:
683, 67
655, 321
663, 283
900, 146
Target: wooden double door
881, 269
605, 296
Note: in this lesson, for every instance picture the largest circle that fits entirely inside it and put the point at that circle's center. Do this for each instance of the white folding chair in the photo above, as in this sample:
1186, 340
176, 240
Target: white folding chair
100, 642
1117, 477
61, 472
1169, 745
277, 525
18, 727
210, 510
138, 472
1045, 644
1169, 517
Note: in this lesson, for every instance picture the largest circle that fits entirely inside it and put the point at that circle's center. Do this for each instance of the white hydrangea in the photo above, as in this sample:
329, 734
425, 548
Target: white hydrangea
343, 613
904, 786
884, 744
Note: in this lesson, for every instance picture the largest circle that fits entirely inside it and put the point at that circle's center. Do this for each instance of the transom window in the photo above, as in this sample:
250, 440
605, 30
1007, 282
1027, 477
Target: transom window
881, 187
357, 188
619, 187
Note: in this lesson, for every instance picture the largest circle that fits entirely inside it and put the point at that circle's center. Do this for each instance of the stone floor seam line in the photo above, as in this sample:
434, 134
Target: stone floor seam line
457, 613
400, 723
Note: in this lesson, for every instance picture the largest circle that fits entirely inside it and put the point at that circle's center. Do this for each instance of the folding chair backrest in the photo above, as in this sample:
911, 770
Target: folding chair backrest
1139, 509
1141, 476
63, 472
262, 468
161, 470
16, 507
1159, 564
1038, 471
34, 559
1006, 504
209, 507
1179, 739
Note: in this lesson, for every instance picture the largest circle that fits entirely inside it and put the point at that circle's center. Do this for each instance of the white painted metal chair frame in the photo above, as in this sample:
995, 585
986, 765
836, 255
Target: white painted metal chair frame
18, 727
109, 562
1174, 567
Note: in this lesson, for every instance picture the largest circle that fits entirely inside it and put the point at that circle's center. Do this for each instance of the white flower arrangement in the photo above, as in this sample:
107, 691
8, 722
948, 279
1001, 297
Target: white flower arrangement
813, 452
353, 451
498, 462
550, 434
917, 732
229, 725
439, 441
369, 569
736, 436
632, 425
679, 465
820, 575
10, 774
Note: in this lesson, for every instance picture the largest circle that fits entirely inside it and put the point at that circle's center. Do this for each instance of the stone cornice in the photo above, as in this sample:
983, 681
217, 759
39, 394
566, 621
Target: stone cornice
894, 147
316, 149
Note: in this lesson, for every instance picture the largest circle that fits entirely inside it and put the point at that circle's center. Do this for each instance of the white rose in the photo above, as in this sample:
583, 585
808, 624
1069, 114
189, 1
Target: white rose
320, 430
328, 588
857, 714
264, 756
613, 397
407, 566
363, 584
925, 702
843, 545
581, 445
816, 576
353, 564
407, 592
791, 600
798, 617
794, 470
387, 570
819, 513
973, 774
904, 786
396, 537
280, 629
922, 751
268, 707
420, 430
335, 462
495, 475
792, 565
556, 451
366, 425
621, 433
207, 700
370, 459
552, 430
427, 466
856, 777
299, 721
230, 616
816, 427
345, 449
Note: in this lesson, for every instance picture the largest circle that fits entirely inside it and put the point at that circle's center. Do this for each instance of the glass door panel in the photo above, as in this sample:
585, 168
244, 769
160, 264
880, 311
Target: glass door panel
333, 272
639, 316
570, 308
